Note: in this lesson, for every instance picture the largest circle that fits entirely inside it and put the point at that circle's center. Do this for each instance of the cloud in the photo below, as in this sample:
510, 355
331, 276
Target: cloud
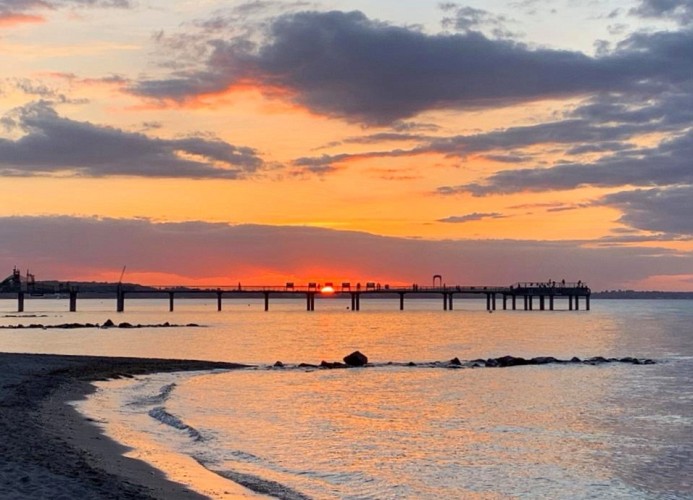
14, 12
665, 164
9, 19
346, 65
52, 144
666, 210
468, 19
680, 11
475, 216
71, 248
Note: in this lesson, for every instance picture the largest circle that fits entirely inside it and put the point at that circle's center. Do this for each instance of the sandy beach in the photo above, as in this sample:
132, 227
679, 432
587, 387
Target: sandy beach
51, 451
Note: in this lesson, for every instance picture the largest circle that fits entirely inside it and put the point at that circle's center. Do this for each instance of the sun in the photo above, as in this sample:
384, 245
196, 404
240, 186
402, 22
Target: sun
328, 289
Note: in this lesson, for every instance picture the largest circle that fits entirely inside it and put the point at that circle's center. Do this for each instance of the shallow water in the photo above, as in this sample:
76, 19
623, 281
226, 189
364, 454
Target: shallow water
554, 431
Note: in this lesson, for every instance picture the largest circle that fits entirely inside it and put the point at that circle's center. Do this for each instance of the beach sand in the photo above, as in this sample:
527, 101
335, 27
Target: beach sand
49, 450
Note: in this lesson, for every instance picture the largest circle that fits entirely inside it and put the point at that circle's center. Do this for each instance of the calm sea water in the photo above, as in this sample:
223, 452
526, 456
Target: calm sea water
551, 431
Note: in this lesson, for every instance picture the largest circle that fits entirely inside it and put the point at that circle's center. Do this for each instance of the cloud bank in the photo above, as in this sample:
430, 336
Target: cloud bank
70, 248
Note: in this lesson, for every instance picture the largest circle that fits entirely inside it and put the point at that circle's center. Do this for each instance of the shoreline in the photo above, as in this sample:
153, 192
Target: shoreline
50, 450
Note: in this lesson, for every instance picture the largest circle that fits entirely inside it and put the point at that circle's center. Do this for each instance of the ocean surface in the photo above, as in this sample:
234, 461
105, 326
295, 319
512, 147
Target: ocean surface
391, 431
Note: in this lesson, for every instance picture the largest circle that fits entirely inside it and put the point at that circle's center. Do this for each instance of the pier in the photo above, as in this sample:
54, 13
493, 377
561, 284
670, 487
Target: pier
524, 296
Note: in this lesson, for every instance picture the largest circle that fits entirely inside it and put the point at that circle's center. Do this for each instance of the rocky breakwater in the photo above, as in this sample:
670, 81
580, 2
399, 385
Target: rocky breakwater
105, 325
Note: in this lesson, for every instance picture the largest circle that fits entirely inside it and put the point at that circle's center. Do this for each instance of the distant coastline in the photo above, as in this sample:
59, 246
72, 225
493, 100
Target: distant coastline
651, 295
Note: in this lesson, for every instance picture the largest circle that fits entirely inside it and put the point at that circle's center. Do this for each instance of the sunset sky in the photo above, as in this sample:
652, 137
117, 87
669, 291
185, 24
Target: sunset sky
212, 142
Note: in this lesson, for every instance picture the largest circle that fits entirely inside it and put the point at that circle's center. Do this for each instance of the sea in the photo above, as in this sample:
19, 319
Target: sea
409, 425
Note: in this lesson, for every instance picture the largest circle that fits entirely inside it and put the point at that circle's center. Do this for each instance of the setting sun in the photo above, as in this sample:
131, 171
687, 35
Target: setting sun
327, 289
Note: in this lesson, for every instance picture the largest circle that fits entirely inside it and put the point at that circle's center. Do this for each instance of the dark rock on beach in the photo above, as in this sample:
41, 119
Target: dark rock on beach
544, 360
356, 358
328, 365
108, 324
278, 364
456, 361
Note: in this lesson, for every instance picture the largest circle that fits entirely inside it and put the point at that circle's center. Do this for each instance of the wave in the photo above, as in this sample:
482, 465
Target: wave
159, 413
255, 483
157, 399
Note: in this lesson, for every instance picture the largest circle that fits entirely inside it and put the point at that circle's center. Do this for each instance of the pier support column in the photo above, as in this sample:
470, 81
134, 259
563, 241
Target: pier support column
570, 302
170, 301
505, 302
450, 302
218, 300
401, 301
445, 302
493, 301
526, 302
542, 303
358, 301
551, 302
514, 303
577, 302
488, 301
310, 301
587, 302
120, 301
531, 302
20, 302
266, 294
73, 301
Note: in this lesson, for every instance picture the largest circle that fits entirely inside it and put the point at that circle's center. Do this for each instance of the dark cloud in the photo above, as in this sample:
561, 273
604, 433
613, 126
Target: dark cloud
680, 11
668, 210
53, 144
344, 64
668, 163
475, 216
198, 250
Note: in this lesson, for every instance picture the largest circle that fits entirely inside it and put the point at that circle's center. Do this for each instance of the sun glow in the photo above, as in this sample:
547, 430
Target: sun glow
328, 289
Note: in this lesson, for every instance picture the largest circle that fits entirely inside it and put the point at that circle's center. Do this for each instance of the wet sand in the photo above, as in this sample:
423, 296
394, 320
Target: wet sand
49, 450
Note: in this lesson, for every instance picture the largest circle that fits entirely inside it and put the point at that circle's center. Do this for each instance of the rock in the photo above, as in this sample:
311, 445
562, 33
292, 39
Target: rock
544, 360
411, 363
356, 359
278, 364
511, 361
456, 361
596, 360
492, 363
108, 324
307, 365
575, 359
125, 324
648, 362
330, 366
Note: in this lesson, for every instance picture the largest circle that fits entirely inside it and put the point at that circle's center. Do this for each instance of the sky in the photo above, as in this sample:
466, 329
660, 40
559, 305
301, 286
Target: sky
214, 142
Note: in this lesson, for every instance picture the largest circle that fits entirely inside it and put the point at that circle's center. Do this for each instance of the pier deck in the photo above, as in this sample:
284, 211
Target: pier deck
530, 295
